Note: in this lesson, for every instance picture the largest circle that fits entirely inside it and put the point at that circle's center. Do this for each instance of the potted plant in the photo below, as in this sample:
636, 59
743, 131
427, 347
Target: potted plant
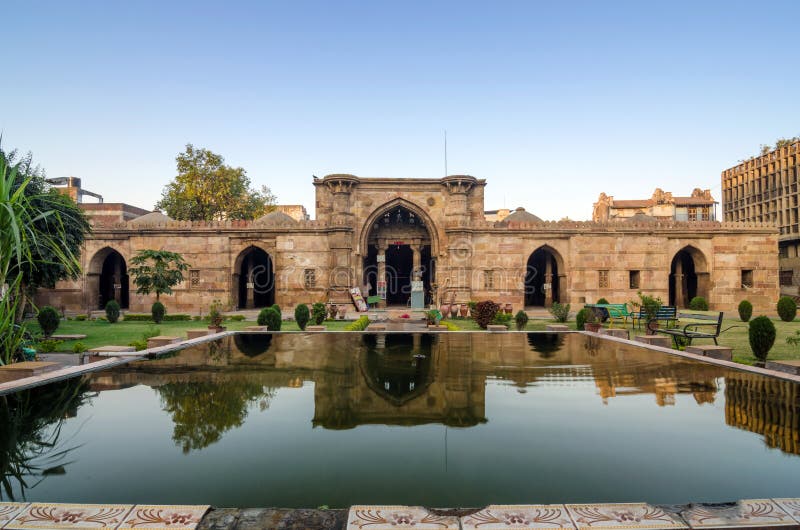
650, 305
215, 317
464, 310
592, 322
433, 317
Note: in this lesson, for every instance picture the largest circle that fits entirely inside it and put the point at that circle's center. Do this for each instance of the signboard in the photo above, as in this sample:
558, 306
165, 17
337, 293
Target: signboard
546, 286
117, 286
251, 285
382, 290
416, 286
381, 258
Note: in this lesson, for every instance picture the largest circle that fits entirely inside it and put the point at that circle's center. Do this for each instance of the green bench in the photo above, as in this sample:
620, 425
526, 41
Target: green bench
612, 312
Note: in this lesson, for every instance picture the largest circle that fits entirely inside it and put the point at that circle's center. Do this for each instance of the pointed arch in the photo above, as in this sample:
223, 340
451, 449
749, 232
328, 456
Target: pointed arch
253, 276
688, 276
107, 279
545, 277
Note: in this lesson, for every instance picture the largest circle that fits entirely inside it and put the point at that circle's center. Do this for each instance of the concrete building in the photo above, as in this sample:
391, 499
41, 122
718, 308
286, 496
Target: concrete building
662, 206
764, 189
429, 236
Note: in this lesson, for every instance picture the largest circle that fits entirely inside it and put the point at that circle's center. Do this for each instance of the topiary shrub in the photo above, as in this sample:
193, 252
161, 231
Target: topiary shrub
277, 308
271, 318
358, 325
580, 318
787, 308
559, 311
484, 313
521, 318
602, 301
48, 320
318, 313
745, 310
158, 311
302, 315
762, 337
698, 303
112, 311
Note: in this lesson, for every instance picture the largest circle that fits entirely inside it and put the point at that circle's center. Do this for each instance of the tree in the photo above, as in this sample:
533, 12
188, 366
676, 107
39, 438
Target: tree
157, 271
208, 190
22, 247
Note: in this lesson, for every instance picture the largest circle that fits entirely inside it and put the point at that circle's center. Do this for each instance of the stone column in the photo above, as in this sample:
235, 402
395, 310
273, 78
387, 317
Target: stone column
548, 280
416, 261
381, 276
249, 301
679, 284
117, 279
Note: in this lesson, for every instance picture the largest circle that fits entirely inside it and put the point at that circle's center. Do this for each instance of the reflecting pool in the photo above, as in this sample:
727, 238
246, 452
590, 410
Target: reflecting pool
451, 419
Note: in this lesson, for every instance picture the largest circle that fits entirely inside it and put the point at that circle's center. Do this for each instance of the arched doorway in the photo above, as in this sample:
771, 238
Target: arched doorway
398, 251
688, 277
542, 278
113, 281
254, 279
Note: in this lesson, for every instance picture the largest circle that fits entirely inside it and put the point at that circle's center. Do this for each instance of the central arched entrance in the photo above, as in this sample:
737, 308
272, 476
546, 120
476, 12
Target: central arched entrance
108, 274
398, 255
688, 277
254, 279
542, 277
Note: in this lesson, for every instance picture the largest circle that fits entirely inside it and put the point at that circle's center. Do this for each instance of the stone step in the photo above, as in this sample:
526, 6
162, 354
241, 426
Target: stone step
10, 372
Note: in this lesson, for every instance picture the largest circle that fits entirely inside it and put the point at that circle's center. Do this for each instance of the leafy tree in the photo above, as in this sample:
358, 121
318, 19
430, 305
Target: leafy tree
22, 246
157, 271
208, 190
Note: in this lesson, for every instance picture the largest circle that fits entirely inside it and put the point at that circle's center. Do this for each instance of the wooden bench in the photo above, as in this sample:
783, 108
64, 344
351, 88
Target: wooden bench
666, 314
711, 328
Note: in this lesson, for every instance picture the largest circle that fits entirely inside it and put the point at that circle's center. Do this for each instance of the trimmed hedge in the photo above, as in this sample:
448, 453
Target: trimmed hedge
761, 336
143, 317
580, 318
302, 315
49, 319
318, 313
787, 308
745, 310
698, 303
521, 318
271, 318
112, 311
358, 325
158, 311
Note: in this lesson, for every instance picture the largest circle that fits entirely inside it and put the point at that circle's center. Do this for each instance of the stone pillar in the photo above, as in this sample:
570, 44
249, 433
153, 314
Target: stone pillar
416, 262
381, 276
249, 301
117, 279
548, 280
678, 284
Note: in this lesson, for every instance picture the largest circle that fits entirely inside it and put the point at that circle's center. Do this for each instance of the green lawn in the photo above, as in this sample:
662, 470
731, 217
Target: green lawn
101, 333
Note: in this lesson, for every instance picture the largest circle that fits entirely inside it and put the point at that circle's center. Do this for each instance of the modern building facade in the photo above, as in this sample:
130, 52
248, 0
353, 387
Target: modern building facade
397, 236
764, 190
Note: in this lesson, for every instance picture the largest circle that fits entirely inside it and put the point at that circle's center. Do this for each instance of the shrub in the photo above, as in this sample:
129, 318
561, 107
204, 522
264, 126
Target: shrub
80, 318
277, 308
235, 318
762, 337
78, 347
271, 318
698, 303
302, 315
450, 325
745, 310
151, 332
649, 304
196, 318
484, 312
139, 345
358, 325
158, 311
521, 319
49, 346
560, 311
112, 311
318, 313
787, 308
602, 301
145, 317
580, 318
48, 320
501, 318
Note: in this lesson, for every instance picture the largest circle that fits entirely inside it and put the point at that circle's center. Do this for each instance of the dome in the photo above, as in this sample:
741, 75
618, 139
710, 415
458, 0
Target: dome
152, 218
276, 218
521, 216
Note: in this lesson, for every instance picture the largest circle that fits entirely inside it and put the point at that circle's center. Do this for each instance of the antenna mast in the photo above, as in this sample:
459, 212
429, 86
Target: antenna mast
445, 152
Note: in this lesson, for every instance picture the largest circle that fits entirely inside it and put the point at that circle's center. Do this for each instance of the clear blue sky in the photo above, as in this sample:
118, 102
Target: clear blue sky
552, 102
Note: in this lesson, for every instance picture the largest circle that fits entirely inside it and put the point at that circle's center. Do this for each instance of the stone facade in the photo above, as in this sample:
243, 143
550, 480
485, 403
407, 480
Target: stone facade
764, 189
699, 206
432, 231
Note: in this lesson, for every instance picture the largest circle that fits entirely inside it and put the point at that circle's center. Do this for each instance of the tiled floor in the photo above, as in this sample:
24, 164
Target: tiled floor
40, 516
755, 513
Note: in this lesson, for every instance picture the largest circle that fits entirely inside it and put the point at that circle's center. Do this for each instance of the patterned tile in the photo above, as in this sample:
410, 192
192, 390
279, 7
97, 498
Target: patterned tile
790, 506
9, 510
62, 516
747, 513
154, 517
394, 517
622, 516
530, 516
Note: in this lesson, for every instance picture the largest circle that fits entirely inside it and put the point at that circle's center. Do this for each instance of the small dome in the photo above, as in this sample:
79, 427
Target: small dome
521, 216
641, 217
276, 218
152, 218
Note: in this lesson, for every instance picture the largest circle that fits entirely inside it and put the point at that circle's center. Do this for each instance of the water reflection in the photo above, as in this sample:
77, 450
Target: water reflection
30, 445
405, 379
